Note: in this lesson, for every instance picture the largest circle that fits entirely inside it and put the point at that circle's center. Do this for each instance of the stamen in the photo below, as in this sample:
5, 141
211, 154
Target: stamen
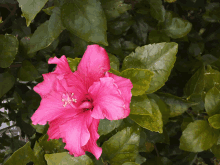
68, 99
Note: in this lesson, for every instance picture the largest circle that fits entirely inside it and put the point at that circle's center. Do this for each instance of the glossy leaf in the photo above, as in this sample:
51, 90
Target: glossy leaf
216, 151
122, 146
212, 101
7, 81
157, 36
47, 32
196, 136
30, 8
114, 8
176, 27
212, 79
114, 62
66, 158
8, 50
212, 13
146, 113
106, 126
28, 72
86, 20
51, 146
24, 46
163, 106
158, 58
157, 10
215, 121
73, 63
140, 79
196, 83
176, 104
22, 156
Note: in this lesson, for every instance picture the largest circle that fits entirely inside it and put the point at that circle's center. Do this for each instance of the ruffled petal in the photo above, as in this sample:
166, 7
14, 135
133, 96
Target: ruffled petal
47, 85
125, 86
52, 107
107, 100
77, 84
62, 65
75, 133
91, 146
93, 65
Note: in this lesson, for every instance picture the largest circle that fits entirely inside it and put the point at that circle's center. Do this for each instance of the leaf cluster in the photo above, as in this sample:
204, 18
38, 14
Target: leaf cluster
169, 49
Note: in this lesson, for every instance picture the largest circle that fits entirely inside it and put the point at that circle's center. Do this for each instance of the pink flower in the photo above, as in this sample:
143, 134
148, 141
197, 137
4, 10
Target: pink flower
73, 103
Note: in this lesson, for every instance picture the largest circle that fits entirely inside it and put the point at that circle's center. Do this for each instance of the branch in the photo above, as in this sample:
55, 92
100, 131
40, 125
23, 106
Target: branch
9, 16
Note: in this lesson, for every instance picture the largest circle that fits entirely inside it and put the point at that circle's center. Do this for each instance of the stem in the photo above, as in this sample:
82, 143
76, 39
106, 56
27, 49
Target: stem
7, 127
9, 16
156, 150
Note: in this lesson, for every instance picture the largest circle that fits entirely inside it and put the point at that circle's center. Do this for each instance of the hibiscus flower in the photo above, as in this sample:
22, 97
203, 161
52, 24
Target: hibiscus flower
74, 102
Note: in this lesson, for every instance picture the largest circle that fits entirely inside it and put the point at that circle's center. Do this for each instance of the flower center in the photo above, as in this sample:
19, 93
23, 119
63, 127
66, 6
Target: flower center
68, 99
87, 104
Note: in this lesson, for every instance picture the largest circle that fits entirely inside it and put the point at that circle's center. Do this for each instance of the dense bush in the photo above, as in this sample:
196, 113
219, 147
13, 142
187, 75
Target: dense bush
170, 51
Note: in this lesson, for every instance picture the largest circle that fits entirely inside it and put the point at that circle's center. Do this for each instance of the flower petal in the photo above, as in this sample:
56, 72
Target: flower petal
50, 108
94, 63
125, 86
62, 65
107, 100
91, 146
47, 85
75, 133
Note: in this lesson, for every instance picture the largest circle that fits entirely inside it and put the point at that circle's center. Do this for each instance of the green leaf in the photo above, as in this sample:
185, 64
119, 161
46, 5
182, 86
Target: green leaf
114, 8
80, 45
86, 20
212, 13
40, 128
157, 10
215, 121
8, 50
212, 79
176, 27
212, 101
39, 153
163, 106
73, 63
146, 113
28, 72
7, 81
106, 126
159, 161
121, 147
120, 25
196, 49
51, 146
114, 62
66, 158
130, 163
47, 32
140, 79
140, 30
24, 47
216, 151
68, 51
156, 36
196, 83
158, 58
22, 156
155, 137
49, 10
30, 8
198, 136
176, 104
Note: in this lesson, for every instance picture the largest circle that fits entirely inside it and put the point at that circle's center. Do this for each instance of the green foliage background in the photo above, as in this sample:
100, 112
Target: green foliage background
169, 49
